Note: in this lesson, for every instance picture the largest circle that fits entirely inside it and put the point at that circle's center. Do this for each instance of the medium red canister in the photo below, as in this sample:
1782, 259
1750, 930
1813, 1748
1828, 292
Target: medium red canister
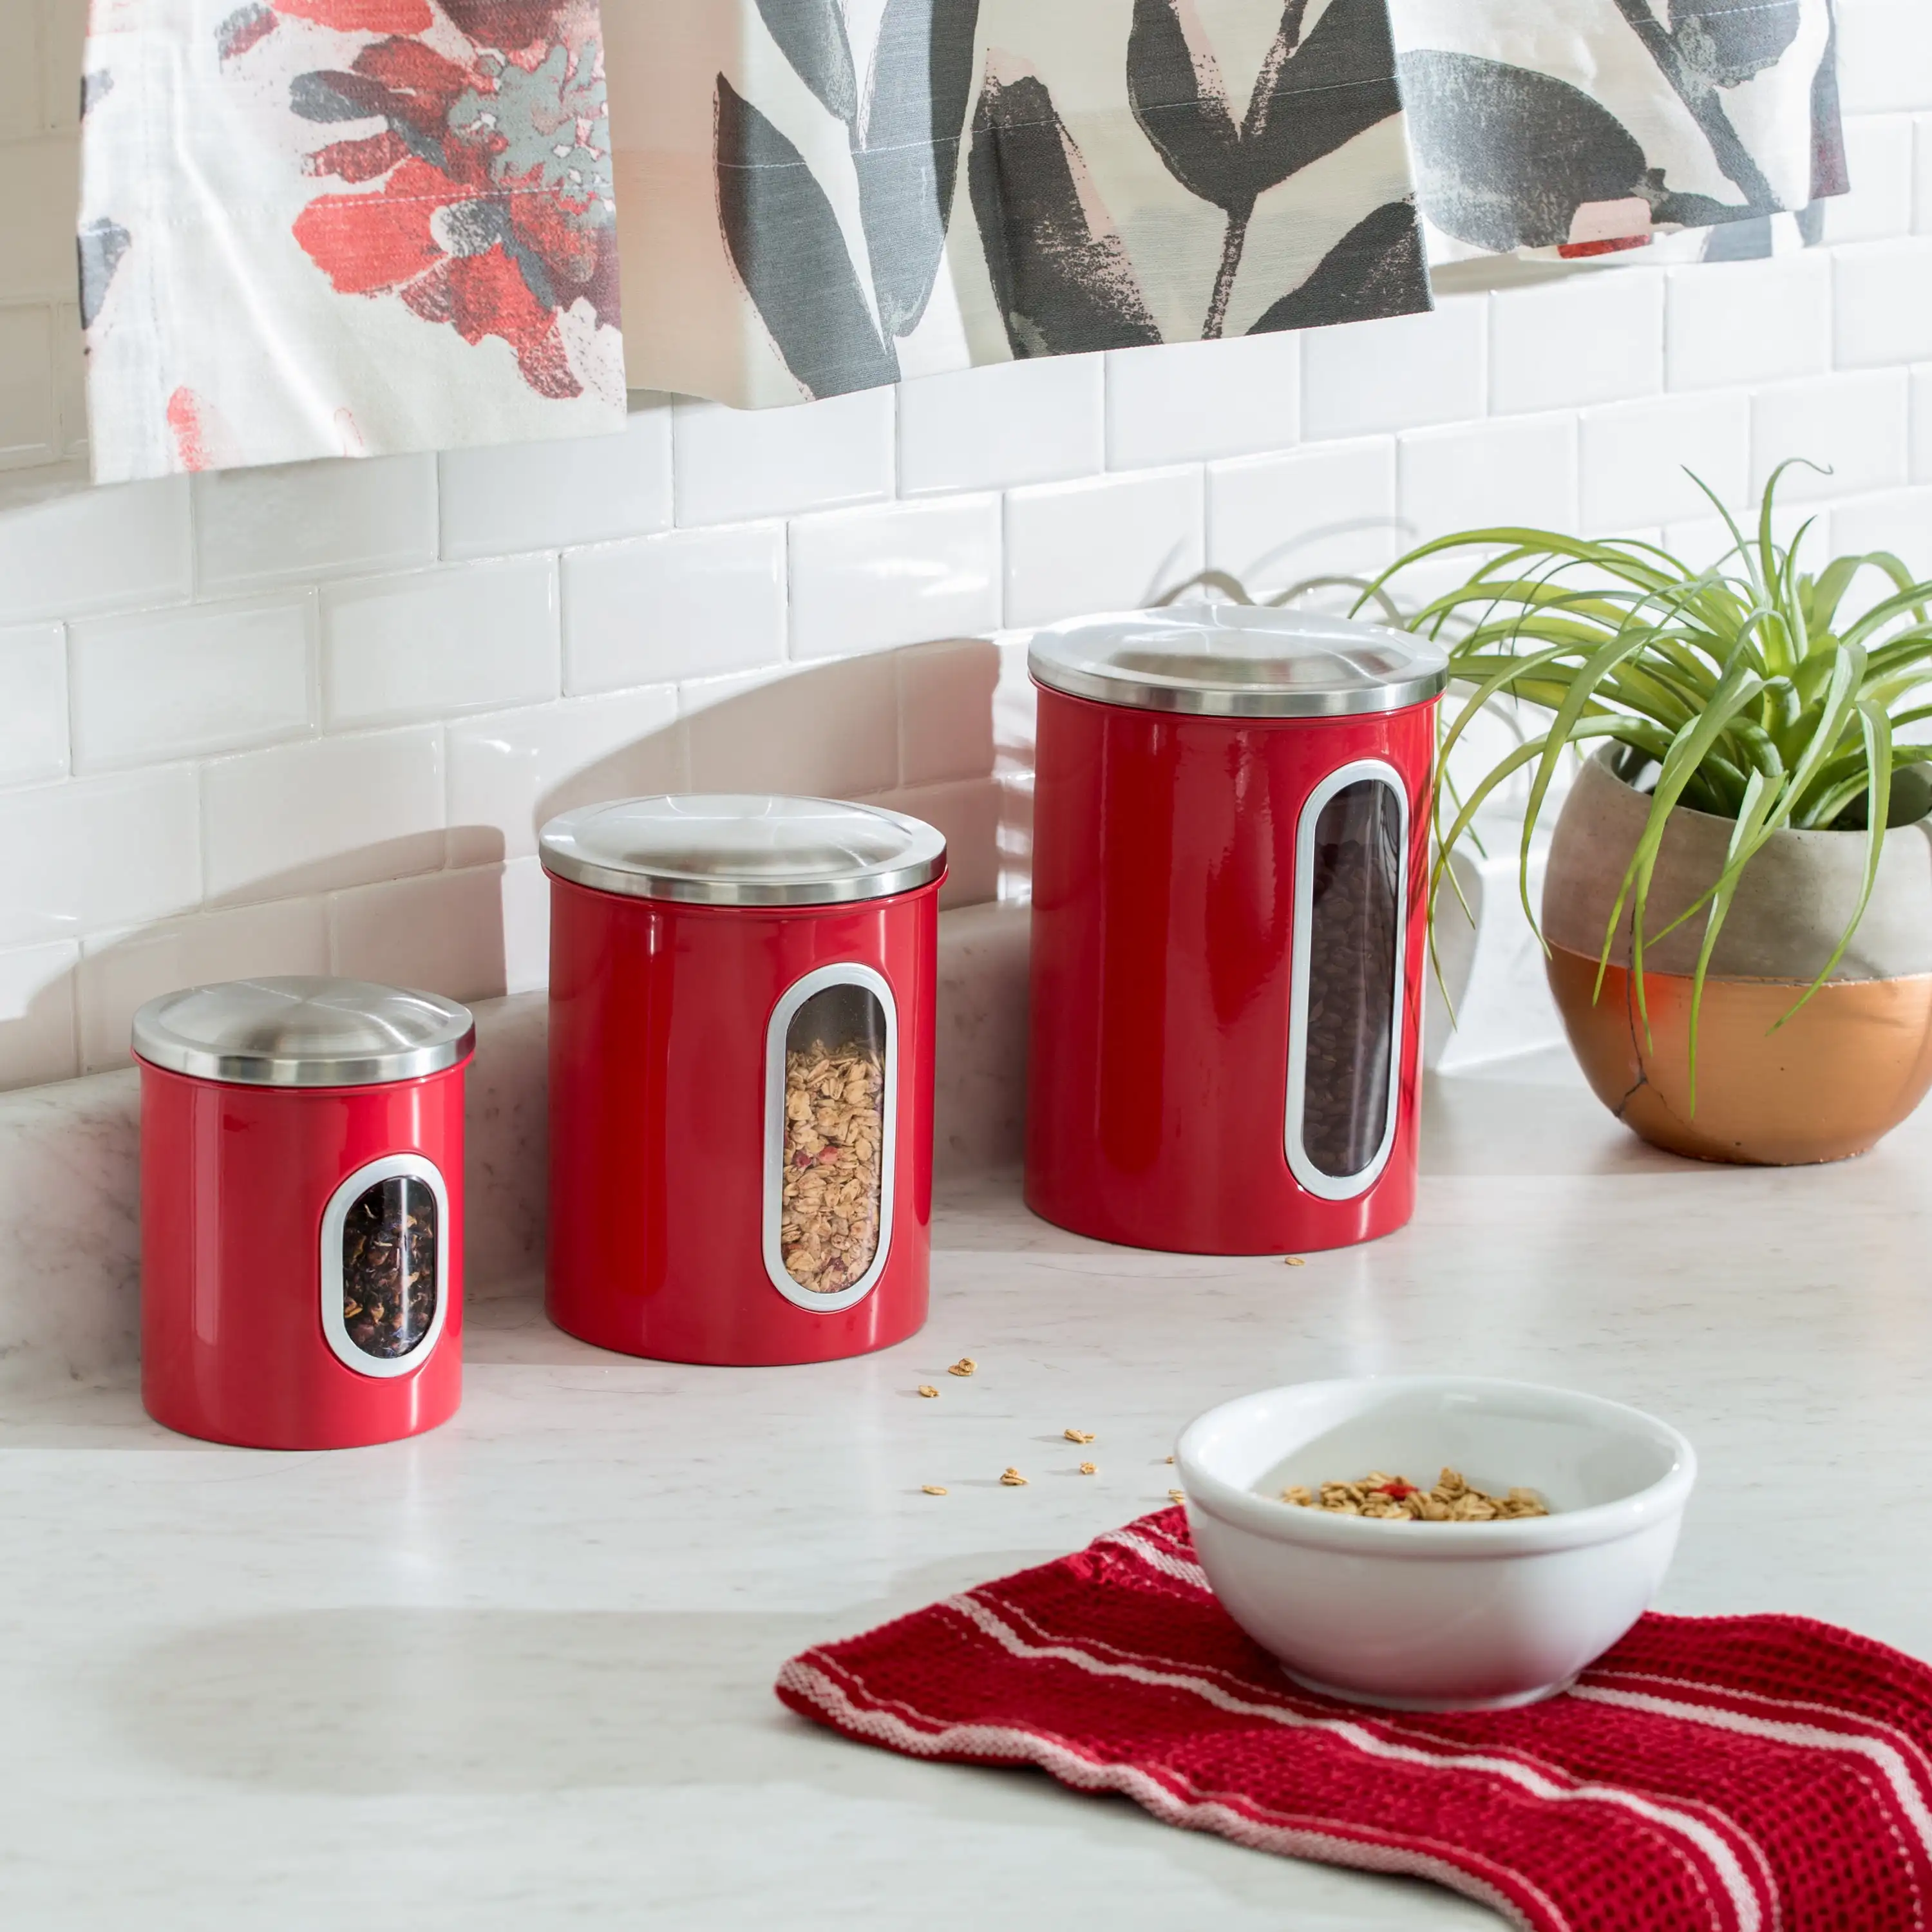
1230, 839
741, 1041
301, 1211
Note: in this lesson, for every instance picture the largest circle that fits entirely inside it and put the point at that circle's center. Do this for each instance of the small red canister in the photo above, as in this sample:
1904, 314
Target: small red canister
1230, 839
741, 1041
301, 1211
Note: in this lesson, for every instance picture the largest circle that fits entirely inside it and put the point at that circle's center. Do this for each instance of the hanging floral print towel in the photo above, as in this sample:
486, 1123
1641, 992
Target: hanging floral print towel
1579, 127
344, 227
820, 197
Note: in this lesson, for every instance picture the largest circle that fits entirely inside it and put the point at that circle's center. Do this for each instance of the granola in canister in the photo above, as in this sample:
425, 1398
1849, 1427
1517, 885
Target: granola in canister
835, 1125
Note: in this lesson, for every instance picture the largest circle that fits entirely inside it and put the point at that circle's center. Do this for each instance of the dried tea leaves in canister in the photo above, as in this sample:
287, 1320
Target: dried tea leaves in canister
388, 1268
831, 1195
1394, 1499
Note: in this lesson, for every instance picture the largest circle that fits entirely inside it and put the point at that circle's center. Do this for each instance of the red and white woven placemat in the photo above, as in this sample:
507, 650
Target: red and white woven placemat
1762, 1774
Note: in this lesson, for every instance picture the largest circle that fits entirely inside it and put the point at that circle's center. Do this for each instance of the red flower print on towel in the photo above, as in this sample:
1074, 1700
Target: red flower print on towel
492, 210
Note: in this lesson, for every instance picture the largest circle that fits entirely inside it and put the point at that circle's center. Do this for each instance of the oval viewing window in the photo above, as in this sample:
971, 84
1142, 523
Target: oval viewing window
832, 1055
384, 1266
1345, 1038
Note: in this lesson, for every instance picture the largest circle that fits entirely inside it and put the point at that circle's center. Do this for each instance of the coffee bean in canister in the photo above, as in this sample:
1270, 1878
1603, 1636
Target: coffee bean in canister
301, 1211
1230, 837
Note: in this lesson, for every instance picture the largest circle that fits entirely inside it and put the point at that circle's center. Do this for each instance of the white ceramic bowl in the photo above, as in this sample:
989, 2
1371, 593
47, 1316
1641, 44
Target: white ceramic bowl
1434, 1616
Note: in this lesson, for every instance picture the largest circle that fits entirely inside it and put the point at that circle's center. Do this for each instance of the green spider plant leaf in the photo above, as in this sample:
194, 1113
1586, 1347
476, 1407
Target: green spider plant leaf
1739, 686
1739, 681
1876, 730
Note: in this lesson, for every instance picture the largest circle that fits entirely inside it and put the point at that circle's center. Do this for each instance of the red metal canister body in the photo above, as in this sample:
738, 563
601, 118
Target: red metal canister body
680, 1029
1228, 938
301, 1246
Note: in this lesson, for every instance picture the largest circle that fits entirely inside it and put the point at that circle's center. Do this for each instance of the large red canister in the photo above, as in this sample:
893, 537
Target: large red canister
741, 1041
1230, 843
301, 1211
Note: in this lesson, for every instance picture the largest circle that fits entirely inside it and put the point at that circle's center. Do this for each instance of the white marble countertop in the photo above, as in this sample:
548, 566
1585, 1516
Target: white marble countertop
516, 1674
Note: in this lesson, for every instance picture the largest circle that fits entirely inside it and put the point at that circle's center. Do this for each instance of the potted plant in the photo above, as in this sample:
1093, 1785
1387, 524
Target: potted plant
1737, 908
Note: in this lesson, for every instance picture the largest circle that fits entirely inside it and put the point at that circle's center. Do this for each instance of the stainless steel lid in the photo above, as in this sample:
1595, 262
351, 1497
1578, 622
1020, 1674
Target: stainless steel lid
303, 1033
748, 849
1238, 661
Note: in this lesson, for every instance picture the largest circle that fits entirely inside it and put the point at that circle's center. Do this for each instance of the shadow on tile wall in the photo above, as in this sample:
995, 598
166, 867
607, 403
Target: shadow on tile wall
462, 909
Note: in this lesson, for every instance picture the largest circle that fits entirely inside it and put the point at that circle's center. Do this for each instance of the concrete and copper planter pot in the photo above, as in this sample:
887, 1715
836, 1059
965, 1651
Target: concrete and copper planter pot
1829, 1082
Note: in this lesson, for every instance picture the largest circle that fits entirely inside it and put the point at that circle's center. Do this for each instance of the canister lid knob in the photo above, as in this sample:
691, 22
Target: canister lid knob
743, 849
1238, 661
303, 1032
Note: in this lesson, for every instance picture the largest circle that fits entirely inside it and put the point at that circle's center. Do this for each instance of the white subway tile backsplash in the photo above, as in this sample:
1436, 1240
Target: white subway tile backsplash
37, 1014
1366, 377
668, 607
1884, 55
298, 521
95, 549
861, 580
734, 464
1636, 461
1706, 540
121, 970
1115, 544
91, 853
510, 774
1922, 174
1899, 521
967, 815
1186, 401
701, 694
198, 678
828, 730
1032, 421
525, 887
439, 643
29, 419
1856, 426
546, 496
442, 933
1878, 160
1595, 336
946, 711
1519, 470
1327, 510
1883, 290
327, 813
33, 703
1921, 425
1730, 323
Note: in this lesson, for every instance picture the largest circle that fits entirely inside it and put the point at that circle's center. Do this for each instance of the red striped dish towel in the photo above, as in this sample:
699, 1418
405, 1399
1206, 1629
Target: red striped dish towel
1761, 1773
